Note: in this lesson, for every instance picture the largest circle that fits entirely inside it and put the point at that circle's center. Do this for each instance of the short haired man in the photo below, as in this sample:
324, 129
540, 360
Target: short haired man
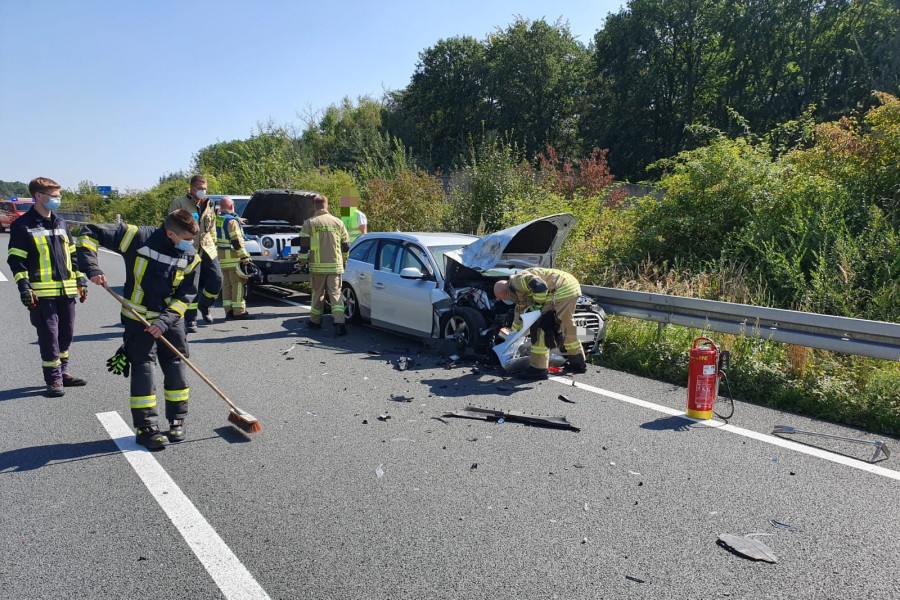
323, 241
197, 203
41, 253
232, 252
160, 282
555, 293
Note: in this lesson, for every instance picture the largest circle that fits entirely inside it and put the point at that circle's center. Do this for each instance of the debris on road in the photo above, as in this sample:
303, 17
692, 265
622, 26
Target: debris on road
487, 414
747, 547
442, 420
374, 352
402, 398
635, 579
283, 352
379, 471
404, 362
384, 417
785, 526
566, 399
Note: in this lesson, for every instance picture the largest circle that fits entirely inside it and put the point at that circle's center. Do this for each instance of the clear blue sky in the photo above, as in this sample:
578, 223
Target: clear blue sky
120, 92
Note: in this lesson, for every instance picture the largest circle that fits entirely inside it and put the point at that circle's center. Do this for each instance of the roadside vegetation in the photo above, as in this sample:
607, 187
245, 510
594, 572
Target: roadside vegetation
769, 171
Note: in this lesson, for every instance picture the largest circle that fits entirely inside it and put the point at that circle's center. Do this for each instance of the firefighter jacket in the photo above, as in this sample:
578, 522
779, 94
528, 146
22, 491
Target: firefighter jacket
534, 288
323, 240
206, 239
42, 256
160, 280
230, 240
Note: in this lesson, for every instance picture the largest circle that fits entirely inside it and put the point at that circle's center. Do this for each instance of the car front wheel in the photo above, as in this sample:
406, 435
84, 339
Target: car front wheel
351, 305
464, 325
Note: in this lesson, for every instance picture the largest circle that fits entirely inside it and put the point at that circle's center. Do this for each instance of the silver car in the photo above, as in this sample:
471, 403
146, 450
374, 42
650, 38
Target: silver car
440, 285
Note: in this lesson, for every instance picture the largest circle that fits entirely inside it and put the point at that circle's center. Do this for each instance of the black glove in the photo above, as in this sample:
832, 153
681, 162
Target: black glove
28, 297
118, 363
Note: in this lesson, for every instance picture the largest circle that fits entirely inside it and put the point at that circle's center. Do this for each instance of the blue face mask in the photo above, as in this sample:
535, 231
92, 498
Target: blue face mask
510, 302
185, 245
53, 203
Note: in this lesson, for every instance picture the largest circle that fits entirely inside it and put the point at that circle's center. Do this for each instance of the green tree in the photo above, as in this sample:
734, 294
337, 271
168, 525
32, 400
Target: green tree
536, 81
446, 102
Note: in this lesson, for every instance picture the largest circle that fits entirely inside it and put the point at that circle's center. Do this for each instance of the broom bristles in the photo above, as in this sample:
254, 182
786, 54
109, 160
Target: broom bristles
245, 421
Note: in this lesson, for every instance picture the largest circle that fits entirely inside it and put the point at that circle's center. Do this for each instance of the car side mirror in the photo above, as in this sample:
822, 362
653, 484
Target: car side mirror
412, 273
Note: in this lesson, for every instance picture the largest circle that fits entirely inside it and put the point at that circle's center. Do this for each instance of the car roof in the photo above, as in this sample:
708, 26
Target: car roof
423, 237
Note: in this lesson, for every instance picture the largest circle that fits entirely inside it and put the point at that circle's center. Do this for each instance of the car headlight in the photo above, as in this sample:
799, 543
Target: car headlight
268, 242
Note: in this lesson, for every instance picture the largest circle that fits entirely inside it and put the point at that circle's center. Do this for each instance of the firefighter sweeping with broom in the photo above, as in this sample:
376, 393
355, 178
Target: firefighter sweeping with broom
160, 283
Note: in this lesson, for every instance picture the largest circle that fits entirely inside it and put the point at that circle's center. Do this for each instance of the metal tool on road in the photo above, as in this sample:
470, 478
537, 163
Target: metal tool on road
880, 447
237, 417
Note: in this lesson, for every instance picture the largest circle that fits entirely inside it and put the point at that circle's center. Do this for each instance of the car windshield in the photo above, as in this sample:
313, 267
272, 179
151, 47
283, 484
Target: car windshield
438, 253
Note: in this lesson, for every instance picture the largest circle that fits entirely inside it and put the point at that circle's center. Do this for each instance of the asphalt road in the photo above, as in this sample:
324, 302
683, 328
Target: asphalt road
629, 507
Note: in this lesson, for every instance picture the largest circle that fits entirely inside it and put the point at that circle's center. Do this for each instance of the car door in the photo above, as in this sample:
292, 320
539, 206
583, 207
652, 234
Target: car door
358, 274
402, 304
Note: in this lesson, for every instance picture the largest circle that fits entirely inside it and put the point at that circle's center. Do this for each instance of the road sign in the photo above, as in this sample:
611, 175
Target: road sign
104, 190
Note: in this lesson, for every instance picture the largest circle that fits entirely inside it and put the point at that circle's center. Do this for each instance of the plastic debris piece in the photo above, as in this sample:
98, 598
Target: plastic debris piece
635, 579
785, 526
402, 398
566, 399
747, 547
283, 352
442, 420
587, 507
379, 471
403, 363
500, 421
474, 466
365, 422
374, 352
454, 357
554, 370
384, 417
487, 414
633, 473
288, 358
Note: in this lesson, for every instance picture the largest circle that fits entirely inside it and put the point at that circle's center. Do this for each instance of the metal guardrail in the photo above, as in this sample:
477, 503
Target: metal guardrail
876, 339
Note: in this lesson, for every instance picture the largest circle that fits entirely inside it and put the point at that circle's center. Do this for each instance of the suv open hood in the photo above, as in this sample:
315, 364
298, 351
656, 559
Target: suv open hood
290, 206
532, 244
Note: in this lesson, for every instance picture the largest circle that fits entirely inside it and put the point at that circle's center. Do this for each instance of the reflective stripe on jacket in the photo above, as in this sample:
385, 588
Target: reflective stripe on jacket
41, 255
160, 280
321, 239
230, 240
539, 286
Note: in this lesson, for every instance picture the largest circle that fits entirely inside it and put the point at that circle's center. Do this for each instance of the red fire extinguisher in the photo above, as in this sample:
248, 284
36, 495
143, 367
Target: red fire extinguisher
703, 379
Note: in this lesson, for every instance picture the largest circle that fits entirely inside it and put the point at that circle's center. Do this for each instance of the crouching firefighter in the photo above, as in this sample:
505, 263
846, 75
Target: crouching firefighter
160, 283
230, 243
555, 293
323, 241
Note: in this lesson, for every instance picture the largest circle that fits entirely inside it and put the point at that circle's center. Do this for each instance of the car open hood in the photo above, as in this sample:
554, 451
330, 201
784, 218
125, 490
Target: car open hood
291, 206
532, 244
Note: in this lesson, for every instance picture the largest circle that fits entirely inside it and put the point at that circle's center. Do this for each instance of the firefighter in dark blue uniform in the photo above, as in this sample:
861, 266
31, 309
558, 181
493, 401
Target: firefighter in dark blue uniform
160, 283
41, 257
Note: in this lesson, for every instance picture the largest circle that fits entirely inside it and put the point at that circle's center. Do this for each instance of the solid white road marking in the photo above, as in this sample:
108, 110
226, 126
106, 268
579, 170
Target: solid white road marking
233, 579
769, 439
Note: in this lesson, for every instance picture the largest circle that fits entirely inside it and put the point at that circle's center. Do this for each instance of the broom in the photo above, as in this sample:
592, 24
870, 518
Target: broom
237, 417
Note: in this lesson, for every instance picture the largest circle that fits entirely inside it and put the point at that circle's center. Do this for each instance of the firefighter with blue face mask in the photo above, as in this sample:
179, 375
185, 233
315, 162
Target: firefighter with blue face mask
197, 203
555, 293
160, 283
41, 256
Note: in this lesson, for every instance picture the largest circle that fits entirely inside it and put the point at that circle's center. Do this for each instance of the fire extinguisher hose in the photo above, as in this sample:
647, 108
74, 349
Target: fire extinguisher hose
730, 399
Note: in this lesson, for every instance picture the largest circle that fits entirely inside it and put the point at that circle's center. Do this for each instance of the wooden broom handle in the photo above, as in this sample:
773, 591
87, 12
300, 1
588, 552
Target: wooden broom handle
174, 350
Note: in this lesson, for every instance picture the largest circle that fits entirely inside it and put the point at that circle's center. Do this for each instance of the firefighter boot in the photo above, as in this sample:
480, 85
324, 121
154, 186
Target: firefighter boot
340, 329
575, 365
533, 374
55, 390
191, 327
151, 438
176, 431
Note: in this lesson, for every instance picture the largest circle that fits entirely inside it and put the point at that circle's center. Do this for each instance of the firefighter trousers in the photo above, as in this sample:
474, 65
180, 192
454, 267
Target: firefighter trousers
142, 350
233, 291
208, 287
326, 283
54, 319
564, 308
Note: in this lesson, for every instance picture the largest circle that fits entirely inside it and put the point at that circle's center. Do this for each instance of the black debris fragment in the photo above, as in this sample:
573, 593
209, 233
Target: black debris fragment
404, 362
635, 579
402, 398
474, 466
384, 417
365, 422
566, 399
442, 420
487, 414
374, 352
